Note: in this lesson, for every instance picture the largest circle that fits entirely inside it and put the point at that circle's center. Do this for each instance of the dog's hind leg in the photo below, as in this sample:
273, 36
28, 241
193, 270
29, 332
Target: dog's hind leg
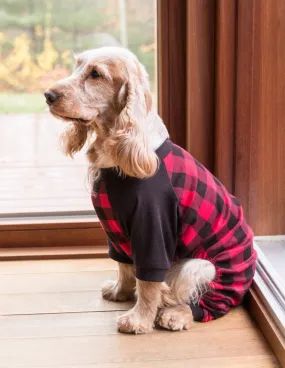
187, 280
176, 318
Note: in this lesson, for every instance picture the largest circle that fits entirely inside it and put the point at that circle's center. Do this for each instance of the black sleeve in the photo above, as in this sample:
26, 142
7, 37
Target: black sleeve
153, 235
148, 210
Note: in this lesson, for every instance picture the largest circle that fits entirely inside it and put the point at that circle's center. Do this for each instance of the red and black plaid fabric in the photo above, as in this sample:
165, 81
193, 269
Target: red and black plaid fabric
108, 221
211, 226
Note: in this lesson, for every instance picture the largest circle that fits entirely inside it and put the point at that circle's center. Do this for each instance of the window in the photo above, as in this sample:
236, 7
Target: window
37, 41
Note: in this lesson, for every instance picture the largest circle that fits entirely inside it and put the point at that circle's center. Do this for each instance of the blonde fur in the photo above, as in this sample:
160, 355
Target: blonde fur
124, 288
190, 279
165, 303
141, 318
115, 115
175, 318
73, 138
115, 109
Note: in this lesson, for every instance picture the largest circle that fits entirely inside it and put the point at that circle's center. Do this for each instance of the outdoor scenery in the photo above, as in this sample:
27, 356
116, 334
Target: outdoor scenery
37, 42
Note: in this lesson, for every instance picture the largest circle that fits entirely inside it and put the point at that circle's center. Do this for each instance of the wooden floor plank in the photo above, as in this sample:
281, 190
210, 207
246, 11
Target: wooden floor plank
61, 302
57, 325
261, 361
127, 348
54, 282
99, 323
58, 266
52, 315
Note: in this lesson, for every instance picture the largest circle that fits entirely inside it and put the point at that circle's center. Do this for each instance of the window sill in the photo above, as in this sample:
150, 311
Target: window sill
15, 254
51, 237
47, 222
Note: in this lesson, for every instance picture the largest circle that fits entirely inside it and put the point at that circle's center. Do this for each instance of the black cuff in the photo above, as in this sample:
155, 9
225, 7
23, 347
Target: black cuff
197, 312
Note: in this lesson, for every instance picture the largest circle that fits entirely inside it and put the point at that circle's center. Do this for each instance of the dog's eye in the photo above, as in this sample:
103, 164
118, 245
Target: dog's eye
94, 74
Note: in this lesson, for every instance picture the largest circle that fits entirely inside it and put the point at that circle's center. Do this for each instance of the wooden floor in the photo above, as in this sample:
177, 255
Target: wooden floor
52, 315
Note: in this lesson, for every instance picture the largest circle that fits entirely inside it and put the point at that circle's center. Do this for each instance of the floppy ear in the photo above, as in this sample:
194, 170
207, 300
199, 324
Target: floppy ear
127, 143
73, 138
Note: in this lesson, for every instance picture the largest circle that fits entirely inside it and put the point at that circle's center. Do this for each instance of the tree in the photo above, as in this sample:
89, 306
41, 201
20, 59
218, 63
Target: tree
74, 25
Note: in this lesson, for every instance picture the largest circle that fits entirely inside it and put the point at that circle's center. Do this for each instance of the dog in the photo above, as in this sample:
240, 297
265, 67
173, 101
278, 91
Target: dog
180, 239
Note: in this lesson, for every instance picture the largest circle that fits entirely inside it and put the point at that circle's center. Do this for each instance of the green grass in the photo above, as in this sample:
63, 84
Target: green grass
24, 103
19, 103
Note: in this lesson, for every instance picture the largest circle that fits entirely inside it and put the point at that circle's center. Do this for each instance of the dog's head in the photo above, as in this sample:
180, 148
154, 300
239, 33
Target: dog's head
107, 94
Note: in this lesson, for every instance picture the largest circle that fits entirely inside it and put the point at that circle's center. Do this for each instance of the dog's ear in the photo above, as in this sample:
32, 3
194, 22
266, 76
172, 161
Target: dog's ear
128, 144
137, 86
73, 138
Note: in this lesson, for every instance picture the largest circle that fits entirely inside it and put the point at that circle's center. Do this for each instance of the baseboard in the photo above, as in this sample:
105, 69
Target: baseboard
39, 253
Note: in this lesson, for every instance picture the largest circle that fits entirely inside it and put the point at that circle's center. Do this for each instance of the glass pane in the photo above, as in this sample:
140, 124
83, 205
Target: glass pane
37, 41
274, 250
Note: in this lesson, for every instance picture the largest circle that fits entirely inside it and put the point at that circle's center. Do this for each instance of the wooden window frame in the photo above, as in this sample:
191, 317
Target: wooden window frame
57, 237
237, 38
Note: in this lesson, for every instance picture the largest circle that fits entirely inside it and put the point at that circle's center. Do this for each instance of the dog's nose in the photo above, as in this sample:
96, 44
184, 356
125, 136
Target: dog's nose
51, 97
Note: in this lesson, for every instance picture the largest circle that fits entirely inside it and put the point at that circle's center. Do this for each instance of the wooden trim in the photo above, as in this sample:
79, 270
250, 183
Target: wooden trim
52, 237
172, 67
267, 325
177, 71
44, 223
201, 80
30, 239
244, 105
12, 254
226, 19
260, 133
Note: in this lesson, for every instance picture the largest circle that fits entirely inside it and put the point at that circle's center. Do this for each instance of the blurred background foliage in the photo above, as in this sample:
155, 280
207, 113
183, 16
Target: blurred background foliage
38, 38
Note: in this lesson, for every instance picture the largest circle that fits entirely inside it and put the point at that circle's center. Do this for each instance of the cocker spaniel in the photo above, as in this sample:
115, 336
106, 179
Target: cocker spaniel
180, 239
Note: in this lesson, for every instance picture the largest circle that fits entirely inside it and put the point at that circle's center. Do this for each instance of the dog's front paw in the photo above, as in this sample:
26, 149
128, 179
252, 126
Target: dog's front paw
133, 322
175, 318
112, 290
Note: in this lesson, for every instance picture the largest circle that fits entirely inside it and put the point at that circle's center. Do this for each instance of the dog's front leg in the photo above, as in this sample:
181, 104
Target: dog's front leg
140, 319
122, 289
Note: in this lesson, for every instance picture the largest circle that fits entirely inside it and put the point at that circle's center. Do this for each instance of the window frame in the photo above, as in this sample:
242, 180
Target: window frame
51, 237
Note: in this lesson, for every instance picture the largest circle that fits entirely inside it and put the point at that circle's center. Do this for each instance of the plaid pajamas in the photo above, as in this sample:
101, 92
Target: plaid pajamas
181, 212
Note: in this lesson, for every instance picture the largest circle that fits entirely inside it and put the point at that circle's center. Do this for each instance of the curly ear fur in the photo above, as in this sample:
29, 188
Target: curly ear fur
127, 144
129, 150
73, 138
